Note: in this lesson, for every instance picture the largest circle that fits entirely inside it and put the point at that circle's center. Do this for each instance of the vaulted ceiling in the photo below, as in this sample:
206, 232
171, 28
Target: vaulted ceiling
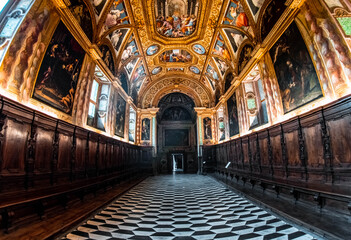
156, 47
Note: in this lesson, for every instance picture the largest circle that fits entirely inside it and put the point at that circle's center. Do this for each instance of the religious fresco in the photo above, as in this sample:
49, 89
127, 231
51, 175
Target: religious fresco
199, 49
130, 50
98, 5
236, 15
176, 114
222, 65
244, 57
235, 38
81, 13
145, 129
211, 72
297, 78
207, 128
176, 137
132, 124
221, 49
156, 70
138, 75
122, 76
175, 69
120, 116
271, 15
255, 7
233, 119
194, 70
228, 81
176, 55
211, 82
131, 65
116, 38
107, 57
59, 72
176, 18
152, 50
117, 15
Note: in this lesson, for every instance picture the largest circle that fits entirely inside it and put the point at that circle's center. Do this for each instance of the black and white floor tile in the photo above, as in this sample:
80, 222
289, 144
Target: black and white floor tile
184, 207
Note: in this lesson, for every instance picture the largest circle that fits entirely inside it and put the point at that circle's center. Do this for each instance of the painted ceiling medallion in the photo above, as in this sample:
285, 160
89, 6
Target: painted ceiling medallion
152, 50
199, 49
194, 70
176, 18
156, 70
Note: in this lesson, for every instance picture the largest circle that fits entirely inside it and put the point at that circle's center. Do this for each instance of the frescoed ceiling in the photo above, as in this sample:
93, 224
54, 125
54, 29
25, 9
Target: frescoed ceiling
185, 46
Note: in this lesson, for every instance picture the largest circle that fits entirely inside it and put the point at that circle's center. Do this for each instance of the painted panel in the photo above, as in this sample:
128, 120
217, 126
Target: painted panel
81, 12
176, 137
297, 78
120, 116
145, 129
207, 128
175, 55
176, 18
233, 115
59, 72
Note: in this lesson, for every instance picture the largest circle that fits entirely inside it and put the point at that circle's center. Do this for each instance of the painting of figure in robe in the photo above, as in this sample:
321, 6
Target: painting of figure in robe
271, 15
117, 15
81, 12
59, 72
207, 128
120, 116
236, 15
145, 129
297, 78
233, 116
176, 18
107, 57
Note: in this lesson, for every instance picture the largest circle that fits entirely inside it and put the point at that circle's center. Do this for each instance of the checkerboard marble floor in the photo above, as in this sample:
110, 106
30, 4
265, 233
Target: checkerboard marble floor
184, 207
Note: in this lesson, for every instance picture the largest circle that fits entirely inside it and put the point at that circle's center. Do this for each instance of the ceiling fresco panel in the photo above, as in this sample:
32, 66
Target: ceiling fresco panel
176, 18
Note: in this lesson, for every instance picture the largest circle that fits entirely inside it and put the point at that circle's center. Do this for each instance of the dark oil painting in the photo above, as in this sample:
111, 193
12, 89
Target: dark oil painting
177, 137
271, 15
207, 128
145, 129
120, 116
176, 113
59, 72
81, 12
297, 78
233, 116
107, 57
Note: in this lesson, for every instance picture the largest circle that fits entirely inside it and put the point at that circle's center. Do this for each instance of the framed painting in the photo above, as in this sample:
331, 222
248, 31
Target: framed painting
59, 72
296, 75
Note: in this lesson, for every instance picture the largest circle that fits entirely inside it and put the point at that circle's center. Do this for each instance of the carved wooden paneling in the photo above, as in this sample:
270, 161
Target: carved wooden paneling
64, 156
340, 142
314, 147
43, 150
14, 150
292, 146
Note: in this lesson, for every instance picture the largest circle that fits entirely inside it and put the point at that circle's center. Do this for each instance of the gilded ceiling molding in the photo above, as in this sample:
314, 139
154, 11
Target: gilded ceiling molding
147, 95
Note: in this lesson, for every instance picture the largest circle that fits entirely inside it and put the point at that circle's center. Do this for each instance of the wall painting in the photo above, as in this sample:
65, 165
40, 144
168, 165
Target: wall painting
297, 78
81, 12
233, 116
145, 129
59, 72
120, 116
207, 128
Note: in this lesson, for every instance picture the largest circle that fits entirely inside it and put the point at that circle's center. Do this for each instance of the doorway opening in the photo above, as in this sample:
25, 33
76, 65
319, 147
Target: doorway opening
178, 162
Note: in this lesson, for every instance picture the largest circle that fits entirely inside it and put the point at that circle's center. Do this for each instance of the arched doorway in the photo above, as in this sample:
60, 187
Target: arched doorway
176, 134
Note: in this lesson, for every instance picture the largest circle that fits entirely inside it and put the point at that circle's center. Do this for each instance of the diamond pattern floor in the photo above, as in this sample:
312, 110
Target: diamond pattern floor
184, 207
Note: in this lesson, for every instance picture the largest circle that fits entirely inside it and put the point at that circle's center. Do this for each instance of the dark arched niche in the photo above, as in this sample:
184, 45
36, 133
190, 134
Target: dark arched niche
176, 132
